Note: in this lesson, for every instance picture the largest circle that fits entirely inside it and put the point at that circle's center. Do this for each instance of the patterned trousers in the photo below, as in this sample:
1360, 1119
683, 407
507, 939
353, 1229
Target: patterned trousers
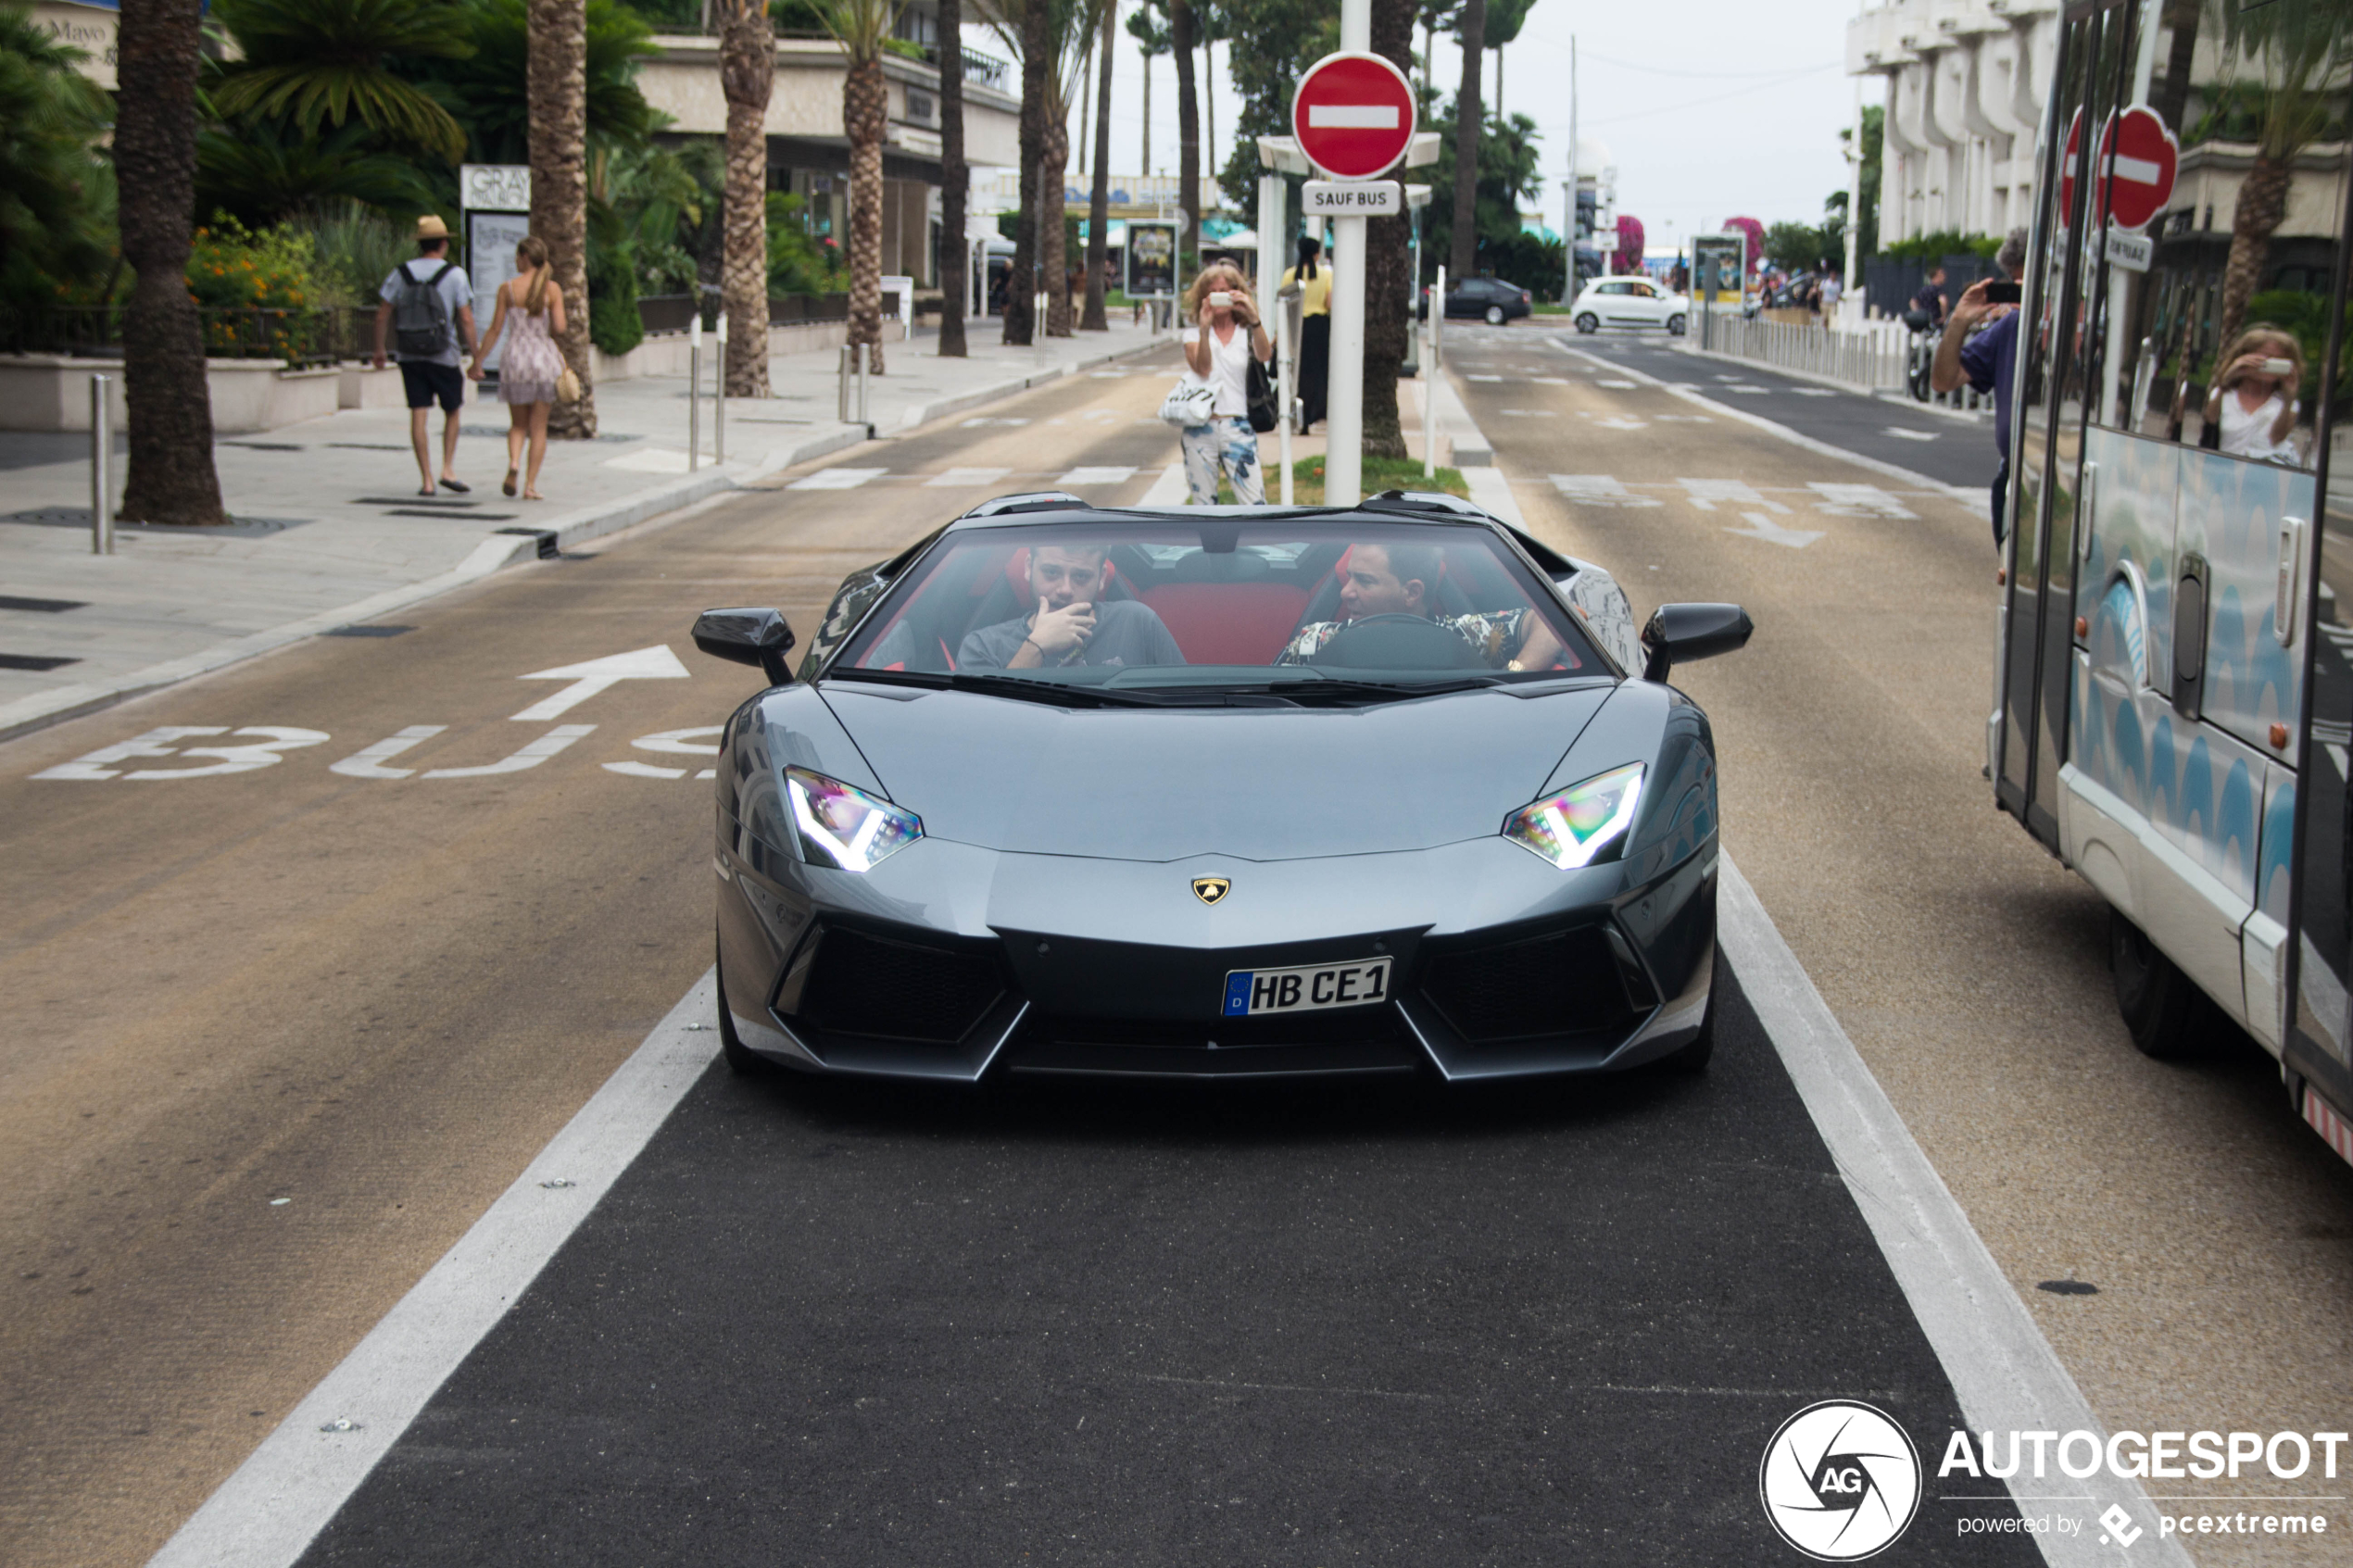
1228, 441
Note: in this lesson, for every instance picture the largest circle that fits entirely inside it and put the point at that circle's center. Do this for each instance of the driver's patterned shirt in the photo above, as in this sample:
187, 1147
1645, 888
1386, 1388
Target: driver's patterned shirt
1494, 634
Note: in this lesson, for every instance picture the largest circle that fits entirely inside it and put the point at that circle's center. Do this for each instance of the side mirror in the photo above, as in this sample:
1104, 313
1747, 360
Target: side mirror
758, 637
1679, 634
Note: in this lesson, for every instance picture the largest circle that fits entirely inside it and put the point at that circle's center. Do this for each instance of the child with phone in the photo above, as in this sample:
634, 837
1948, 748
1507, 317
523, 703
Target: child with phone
2254, 398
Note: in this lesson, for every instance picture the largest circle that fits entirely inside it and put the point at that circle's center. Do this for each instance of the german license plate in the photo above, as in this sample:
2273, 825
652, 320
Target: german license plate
1250, 993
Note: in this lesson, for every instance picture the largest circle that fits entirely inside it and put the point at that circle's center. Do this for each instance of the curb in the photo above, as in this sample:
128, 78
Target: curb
498, 551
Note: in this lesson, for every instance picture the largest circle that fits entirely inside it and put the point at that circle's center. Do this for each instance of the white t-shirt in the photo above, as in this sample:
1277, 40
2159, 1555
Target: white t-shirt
2249, 435
1228, 371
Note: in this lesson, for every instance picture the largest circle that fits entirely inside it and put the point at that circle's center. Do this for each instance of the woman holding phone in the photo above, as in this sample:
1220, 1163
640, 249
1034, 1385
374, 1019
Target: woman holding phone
1226, 336
2254, 394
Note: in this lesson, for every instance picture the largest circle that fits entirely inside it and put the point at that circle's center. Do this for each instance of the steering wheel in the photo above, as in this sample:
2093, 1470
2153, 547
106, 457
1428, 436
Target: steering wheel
1397, 641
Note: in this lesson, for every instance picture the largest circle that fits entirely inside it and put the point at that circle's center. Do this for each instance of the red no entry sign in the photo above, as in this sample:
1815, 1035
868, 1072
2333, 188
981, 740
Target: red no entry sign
1354, 115
2138, 157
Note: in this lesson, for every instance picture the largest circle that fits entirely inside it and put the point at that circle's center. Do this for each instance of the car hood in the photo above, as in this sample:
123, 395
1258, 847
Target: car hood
1255, 783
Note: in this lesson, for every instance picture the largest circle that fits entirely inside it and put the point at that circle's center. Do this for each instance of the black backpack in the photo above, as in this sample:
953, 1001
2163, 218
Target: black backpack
419, 316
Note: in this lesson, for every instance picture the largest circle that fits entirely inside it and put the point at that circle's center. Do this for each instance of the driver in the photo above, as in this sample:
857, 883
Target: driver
1402, 580
1067, 626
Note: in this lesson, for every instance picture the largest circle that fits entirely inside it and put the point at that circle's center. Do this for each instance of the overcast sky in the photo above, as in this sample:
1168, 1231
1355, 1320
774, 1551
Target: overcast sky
1708, 108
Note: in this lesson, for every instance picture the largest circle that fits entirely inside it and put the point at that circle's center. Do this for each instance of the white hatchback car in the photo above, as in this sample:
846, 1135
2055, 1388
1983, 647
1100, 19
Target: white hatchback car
1629, 302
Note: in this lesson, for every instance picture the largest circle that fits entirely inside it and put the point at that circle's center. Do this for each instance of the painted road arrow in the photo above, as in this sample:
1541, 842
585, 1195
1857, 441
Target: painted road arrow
656, 663
1765, 528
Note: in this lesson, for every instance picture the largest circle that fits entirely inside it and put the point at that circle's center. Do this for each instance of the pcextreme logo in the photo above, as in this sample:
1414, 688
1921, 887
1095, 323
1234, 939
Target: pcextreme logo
1840, 1481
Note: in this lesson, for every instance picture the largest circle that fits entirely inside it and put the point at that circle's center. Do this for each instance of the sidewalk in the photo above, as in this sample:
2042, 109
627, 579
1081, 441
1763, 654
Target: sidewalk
331, 532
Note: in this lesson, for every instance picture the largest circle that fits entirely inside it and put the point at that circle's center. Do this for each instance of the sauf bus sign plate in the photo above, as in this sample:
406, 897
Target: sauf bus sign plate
1353, 198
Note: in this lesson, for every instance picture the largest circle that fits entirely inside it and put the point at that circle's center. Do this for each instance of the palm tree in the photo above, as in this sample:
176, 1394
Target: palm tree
2301, 50
955, 182
747, 77
51, 185
1472, 30
260, 171
1152, 41
1099, 196
327, 61
1060, 33
1180, 44
1387, 263
558, 80
171, 477
1504, 19
861, 27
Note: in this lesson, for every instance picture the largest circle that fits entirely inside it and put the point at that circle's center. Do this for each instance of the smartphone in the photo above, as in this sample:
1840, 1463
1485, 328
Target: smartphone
2279, 366
2003, 293
1221, 300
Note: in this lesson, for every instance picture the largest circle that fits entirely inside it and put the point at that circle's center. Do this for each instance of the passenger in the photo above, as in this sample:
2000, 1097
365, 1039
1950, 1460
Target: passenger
1402, 580
1067, 626
2253, 397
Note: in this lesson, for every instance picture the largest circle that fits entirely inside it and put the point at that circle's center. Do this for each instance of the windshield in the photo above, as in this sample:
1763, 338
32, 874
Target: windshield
1222, 604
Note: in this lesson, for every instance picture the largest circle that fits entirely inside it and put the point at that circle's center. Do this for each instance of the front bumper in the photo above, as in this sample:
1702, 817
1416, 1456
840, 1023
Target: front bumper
951, 963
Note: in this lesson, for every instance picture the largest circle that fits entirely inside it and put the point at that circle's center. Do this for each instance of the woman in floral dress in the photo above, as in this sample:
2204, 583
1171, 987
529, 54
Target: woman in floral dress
527, 376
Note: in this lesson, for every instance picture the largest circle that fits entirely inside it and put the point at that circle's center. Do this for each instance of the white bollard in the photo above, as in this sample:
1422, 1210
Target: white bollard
719, 399
865, 353
694, 392
101, 469
1430, 410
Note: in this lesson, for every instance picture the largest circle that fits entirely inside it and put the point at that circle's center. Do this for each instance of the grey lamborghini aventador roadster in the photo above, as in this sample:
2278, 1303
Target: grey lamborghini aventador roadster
1219, 792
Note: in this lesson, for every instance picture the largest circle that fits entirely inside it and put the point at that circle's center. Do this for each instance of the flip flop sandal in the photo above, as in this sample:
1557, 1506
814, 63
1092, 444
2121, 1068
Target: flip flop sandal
509, 488
462, 487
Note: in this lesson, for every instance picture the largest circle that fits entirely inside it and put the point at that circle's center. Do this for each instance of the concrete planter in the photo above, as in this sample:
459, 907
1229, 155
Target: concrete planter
250, 395
52, 392
665, 354
364, 386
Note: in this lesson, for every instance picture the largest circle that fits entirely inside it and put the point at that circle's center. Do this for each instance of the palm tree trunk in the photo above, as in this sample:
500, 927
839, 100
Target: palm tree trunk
172, 479
1209, 103
1020, 283
1146, 54
1054, 231
747, 76
955, 182
1099, 196
2262, 202
1180, 32
865, 107
557, 83
1388, 289
1468, 125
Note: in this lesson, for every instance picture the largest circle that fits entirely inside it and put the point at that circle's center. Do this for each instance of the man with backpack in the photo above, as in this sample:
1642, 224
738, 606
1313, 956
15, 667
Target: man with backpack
429, 305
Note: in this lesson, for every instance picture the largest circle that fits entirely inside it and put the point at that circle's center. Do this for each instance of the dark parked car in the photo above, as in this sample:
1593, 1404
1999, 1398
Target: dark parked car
1489, 299
1240, 791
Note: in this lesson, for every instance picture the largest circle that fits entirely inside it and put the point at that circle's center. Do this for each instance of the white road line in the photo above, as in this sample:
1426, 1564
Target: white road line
1911, 434
1599, 490
1967, 493
2004, 1372
1705, 493
1765, 528
1169, 489
266, 1514
523, 759
1107, 475
952, 478
839, 479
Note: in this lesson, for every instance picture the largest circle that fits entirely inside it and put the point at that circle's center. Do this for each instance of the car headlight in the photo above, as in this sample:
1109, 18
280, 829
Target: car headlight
1570, 828
845, 827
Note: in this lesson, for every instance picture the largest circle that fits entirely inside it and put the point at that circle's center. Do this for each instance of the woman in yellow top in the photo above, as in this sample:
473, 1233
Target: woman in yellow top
1314, 330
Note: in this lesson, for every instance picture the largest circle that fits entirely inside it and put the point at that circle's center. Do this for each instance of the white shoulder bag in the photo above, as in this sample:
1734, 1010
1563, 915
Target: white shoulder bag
1188, 406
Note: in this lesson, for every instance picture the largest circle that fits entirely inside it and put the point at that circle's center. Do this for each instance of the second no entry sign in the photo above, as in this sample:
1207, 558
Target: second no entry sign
1354, 115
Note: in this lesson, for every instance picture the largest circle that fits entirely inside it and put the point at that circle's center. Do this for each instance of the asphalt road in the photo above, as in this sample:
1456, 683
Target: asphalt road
847, 1326
274, 1038
1967, 966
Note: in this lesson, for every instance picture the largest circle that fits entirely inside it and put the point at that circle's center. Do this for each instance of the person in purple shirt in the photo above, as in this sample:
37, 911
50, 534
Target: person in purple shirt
1988, 360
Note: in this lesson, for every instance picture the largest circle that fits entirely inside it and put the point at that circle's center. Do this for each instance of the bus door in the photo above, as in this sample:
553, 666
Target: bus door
2302, 288
2057, 348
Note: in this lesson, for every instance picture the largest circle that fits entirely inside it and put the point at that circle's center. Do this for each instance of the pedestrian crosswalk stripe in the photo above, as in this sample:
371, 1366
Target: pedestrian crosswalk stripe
953, 478
836, 478
1617, 385
1859, 501
1106, 475
1705, 493
1599, 490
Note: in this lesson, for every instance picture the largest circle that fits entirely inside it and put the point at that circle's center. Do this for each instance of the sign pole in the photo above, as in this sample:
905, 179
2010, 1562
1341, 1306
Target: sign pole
1344, 396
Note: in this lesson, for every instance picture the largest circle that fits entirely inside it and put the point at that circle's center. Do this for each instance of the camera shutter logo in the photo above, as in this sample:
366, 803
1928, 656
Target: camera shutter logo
1840, 1481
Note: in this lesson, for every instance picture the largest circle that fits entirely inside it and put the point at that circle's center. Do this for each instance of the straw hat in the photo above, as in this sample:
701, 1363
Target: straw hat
430, 227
